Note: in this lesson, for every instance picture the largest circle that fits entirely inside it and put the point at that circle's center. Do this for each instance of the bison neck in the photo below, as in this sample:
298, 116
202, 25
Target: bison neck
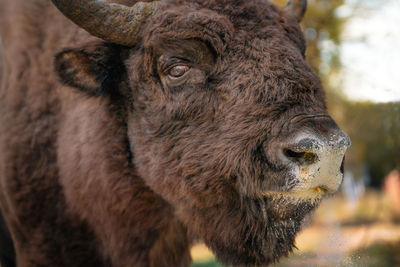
133, 224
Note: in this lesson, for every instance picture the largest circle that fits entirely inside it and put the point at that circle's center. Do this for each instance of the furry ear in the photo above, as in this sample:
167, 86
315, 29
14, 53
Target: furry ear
95, 68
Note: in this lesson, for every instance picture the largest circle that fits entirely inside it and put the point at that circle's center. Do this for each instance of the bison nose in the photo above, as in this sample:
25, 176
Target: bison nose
317, 161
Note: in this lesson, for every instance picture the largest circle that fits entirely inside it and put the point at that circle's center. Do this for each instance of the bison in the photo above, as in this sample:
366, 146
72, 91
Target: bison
129, 131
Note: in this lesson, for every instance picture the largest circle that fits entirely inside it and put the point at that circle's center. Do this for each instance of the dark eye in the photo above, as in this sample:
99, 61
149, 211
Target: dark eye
178, 71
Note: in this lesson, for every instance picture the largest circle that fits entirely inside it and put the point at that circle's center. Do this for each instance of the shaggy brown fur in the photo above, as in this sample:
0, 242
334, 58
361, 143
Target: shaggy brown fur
134, 166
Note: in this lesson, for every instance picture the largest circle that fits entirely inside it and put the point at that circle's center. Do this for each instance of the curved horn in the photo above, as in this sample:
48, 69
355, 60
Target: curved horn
297, 8
111, 22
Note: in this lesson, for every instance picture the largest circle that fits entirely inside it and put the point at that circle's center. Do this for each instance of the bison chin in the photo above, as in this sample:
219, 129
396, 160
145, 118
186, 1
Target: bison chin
258, 233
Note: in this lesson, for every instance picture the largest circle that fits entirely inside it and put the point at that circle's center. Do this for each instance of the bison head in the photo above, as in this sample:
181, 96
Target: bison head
225, 119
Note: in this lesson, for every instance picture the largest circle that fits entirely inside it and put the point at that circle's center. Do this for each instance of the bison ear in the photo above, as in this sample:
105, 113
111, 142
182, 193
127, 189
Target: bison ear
94, 69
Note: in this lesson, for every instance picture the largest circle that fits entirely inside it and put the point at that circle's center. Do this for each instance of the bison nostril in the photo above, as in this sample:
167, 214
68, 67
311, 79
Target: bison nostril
342, 166
293, 154
300, 157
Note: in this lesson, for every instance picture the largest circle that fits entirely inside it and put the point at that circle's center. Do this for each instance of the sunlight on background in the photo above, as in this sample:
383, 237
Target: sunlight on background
370, 50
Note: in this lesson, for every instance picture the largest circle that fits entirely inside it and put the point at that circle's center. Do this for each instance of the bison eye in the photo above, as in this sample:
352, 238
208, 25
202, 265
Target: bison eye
178, 71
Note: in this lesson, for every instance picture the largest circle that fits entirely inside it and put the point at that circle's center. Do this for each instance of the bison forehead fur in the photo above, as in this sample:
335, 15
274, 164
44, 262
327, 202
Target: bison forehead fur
159, 144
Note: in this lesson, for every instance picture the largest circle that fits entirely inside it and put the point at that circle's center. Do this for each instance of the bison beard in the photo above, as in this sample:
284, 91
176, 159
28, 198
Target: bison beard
259, 232
190, 120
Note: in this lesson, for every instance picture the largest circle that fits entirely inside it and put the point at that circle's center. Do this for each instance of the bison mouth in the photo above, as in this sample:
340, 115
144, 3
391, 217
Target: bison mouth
288, 206
312, 195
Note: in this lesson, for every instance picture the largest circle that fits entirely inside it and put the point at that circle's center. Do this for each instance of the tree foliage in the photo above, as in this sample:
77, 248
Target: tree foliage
321, 26
375, 133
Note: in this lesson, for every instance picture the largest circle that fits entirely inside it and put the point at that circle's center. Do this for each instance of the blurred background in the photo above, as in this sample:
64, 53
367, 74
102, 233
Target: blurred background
354, 46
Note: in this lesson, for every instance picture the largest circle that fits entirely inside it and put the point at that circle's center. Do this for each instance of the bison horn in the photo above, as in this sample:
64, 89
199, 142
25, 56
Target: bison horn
111, 22
297, 8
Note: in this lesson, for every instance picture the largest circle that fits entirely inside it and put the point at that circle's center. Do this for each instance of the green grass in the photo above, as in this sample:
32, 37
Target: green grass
377, 255
209, 263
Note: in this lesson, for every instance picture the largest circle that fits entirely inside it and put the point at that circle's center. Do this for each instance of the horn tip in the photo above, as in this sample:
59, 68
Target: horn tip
297, 8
